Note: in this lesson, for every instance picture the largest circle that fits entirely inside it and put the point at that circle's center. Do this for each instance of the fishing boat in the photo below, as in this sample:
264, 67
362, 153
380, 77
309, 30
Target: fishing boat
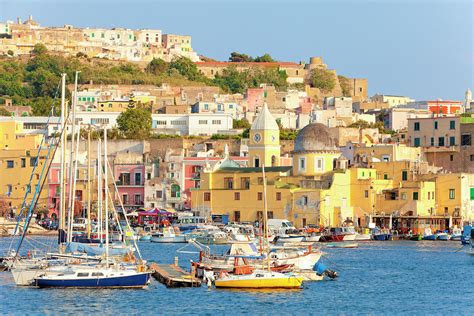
168, 235
381, 234
428, 234
209, 235
312, 238
332, 235
466, 233
457, 234
349, 233
442, 236
247, 276
283, 239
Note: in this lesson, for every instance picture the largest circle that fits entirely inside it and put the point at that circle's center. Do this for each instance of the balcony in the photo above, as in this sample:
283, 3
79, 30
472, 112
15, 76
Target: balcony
438, 149
173, 199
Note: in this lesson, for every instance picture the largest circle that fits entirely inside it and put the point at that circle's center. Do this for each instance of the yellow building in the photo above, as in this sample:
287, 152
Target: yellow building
18, 155
264, 143
115, 105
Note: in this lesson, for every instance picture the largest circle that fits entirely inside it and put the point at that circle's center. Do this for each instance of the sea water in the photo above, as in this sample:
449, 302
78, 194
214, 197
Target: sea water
391, 277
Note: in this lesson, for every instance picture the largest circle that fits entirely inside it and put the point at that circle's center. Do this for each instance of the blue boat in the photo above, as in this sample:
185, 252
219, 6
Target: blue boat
466, 234
95, 278
381, 234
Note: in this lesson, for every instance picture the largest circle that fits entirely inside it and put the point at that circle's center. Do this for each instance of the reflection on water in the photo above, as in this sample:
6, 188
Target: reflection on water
378, 277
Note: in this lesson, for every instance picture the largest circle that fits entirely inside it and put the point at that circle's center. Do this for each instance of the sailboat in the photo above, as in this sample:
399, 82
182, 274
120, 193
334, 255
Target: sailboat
108, 274
247, 276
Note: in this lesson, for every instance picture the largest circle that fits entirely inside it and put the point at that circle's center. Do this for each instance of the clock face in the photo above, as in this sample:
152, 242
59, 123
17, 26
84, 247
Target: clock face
257, 138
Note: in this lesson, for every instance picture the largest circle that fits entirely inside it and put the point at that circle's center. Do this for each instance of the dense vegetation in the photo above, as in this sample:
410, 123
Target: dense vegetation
135, 123
239, 57
323, 79
35, 82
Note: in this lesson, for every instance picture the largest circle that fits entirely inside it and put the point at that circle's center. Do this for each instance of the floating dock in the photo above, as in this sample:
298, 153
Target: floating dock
173, 276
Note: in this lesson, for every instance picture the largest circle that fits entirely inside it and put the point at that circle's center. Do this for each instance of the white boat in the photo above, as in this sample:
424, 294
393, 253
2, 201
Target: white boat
442, 236
349, 233
301, 260
457, 234
284, 239
260, 279
362, 237
168, 235
312, 238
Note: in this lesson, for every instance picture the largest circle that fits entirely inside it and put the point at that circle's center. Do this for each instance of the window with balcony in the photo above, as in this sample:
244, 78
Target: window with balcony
124, 178
125, 199
452, 141
416, 142
175, 191
245, 183
138, 199
440, 141
228, 183
138, 178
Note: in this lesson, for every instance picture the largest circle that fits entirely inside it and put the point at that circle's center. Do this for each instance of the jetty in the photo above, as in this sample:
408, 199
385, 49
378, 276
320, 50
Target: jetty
172, 275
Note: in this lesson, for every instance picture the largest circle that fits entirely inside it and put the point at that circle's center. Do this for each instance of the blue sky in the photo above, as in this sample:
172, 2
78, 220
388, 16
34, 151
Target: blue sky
420, 48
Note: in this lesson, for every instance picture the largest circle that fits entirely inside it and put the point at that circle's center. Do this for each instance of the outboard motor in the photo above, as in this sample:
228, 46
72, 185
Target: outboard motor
322, 269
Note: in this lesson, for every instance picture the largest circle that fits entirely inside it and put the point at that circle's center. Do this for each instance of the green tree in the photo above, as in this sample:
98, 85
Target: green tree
243, 123
135, 123
4, 112
186, 68
322, 79
266, 58
345, 85
238, 57
157, 66
10, 52
39, 49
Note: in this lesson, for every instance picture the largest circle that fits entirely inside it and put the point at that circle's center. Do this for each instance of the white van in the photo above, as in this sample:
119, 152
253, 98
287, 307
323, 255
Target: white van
281, 226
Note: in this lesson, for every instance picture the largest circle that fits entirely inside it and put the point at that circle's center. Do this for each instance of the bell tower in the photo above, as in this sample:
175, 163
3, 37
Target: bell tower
264, 143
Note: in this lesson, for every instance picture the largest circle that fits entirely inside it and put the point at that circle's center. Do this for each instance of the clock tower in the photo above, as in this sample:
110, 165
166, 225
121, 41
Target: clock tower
264, 143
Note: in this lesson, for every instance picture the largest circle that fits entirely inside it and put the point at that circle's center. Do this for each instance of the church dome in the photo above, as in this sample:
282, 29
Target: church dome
315, 137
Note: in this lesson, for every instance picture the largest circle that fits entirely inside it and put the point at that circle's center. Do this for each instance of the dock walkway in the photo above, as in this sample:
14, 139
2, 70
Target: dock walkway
173, 276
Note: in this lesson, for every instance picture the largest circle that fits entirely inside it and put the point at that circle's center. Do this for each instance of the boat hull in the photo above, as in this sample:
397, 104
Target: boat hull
177, 239
429, 237
382, 237
332, 238
128, 281
291, 282
349, 237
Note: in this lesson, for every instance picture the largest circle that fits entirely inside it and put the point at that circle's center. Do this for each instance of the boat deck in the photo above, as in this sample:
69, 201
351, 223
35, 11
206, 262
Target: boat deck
173, 276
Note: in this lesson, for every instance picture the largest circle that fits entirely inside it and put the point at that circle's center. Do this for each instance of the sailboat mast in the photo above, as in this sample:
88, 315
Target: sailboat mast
62, 156
99, 190
74, 180
265, 216
106, 198
89, 184
71, 159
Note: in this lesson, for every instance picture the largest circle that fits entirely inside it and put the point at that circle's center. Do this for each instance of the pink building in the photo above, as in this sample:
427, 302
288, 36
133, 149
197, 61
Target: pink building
130, 183
255, 98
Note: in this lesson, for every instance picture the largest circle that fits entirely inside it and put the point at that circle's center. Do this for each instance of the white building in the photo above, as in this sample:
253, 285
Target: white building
392, 100
203, 107
192, 124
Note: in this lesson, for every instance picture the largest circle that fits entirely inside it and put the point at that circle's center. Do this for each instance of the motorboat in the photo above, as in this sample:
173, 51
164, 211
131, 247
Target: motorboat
349, 233
209, 235
312, 238
284, 239
168, 235
442, 236
259, 279
240, 232
332, 235
457, 234
381, 234
466, 234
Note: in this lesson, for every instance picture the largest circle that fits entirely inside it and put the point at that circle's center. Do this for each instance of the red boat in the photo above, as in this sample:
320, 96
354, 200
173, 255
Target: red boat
333, 235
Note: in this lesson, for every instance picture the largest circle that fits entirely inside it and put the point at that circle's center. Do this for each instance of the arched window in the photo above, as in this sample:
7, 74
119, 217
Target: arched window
175, 190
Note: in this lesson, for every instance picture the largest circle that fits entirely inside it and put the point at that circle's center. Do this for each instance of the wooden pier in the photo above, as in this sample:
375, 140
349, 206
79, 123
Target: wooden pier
173, 276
